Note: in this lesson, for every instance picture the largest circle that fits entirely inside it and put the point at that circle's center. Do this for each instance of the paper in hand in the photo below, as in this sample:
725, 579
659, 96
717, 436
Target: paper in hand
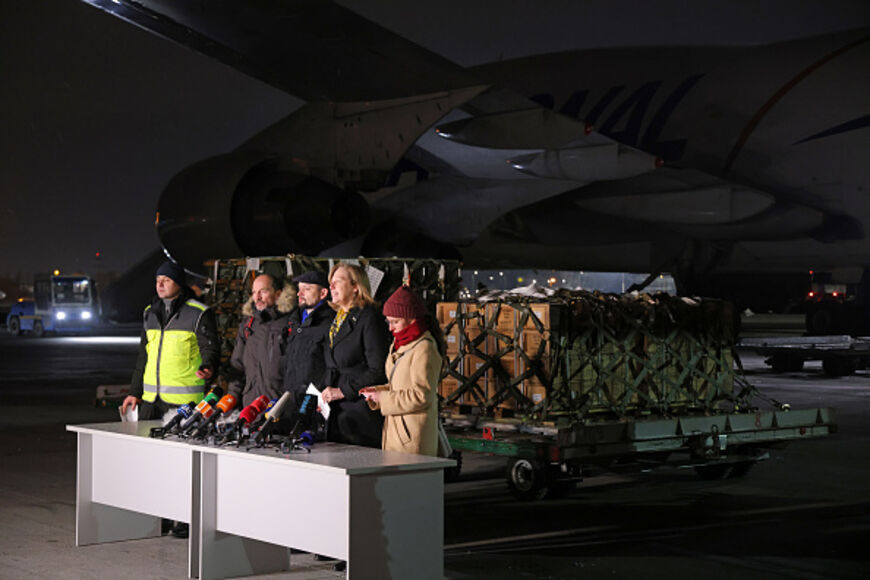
322, 405
132, 414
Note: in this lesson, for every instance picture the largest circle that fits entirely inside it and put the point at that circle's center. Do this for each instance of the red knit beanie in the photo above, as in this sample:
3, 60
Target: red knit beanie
405, 304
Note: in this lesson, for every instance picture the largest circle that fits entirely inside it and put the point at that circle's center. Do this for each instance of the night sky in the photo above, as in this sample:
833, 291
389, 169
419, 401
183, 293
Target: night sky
98, 115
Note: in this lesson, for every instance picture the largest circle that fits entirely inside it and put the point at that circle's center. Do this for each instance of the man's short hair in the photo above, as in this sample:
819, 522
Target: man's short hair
274, 282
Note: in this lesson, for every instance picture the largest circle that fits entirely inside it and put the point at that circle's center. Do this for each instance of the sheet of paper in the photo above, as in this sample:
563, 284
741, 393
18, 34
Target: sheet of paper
375, 278
132, 414
322, 405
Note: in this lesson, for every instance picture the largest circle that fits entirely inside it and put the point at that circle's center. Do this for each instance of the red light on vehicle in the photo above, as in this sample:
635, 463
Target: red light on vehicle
835, 294
588, 128
811, 294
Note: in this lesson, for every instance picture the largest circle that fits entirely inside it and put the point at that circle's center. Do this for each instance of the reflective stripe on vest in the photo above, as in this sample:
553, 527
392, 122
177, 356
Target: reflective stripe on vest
173, 357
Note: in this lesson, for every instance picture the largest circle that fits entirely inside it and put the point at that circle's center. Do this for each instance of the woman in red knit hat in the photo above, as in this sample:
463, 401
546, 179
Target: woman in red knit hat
409, 402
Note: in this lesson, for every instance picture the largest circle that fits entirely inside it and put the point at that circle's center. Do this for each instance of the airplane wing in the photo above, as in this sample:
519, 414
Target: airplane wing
316, 50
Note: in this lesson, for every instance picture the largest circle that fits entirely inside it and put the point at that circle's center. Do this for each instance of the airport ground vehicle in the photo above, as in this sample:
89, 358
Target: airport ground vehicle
840, 355
60, 303
584, 381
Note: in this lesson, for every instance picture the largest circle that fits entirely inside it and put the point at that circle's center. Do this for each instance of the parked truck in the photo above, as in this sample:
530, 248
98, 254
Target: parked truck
60, 303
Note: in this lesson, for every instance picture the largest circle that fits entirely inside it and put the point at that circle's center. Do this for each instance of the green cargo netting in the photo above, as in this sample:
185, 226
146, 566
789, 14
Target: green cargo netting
615, 355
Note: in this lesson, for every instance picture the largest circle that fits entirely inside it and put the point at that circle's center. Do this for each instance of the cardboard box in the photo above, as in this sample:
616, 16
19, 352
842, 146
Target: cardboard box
452, 340
445, 312
494, 384
504, 316
484, 345
473, 315
530, 342
542, 312
447, 387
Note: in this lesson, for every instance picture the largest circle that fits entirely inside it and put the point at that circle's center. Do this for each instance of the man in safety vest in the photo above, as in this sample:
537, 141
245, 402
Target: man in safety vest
179, 350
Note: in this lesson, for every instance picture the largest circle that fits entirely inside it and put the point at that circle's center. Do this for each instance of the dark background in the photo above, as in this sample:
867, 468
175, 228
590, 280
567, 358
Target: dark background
98, 115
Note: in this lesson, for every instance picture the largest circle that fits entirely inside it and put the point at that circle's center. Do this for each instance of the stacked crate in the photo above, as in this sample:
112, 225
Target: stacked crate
580, 354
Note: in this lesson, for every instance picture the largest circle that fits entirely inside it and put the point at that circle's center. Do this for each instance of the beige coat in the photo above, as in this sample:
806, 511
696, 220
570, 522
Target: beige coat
410, 405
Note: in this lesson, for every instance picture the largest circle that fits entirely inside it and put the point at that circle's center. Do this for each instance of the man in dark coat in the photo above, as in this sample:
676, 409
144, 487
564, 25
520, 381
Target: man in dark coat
257, 353
304, 358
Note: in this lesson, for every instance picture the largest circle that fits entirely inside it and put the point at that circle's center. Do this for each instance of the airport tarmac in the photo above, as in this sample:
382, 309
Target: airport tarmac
802, 514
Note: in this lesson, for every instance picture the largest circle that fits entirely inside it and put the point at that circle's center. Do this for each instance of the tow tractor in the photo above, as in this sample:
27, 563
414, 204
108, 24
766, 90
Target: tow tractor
60, 303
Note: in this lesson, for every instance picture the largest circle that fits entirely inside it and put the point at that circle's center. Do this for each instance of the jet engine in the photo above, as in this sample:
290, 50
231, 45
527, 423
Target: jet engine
242, 204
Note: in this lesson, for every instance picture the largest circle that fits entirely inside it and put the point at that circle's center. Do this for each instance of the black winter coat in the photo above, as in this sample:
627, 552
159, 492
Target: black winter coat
356, 360
304, 358
257, 356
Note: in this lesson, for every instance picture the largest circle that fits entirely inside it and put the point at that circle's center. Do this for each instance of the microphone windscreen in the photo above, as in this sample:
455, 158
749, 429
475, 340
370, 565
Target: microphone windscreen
260, 403
277, 409
204, 404
248, 414
226, 403
212, 398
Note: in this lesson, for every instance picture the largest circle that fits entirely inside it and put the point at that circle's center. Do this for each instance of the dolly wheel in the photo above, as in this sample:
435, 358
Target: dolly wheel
14, 326
452, 474
527, 479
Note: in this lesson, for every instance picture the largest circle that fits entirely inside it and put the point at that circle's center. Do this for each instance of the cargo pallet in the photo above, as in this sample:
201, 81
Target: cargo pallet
587, 380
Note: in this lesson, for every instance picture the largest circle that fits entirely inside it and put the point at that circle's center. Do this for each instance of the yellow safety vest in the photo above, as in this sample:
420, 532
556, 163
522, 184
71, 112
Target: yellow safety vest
173, 356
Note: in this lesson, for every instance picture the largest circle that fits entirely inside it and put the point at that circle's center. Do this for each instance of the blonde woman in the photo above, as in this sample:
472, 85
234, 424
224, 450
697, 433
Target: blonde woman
357, 345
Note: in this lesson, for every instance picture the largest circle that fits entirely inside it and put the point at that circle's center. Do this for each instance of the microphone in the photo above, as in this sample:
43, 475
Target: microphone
272, 415
182, 412
204, 409
300, 437
263, 417
247, 416
225, 405
304, 416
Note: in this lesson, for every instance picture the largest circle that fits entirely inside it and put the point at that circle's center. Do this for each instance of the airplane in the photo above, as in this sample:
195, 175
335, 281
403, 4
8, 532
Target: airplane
713, 163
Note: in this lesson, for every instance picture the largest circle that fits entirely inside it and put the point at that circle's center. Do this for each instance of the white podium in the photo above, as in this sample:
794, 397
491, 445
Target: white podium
381, 511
